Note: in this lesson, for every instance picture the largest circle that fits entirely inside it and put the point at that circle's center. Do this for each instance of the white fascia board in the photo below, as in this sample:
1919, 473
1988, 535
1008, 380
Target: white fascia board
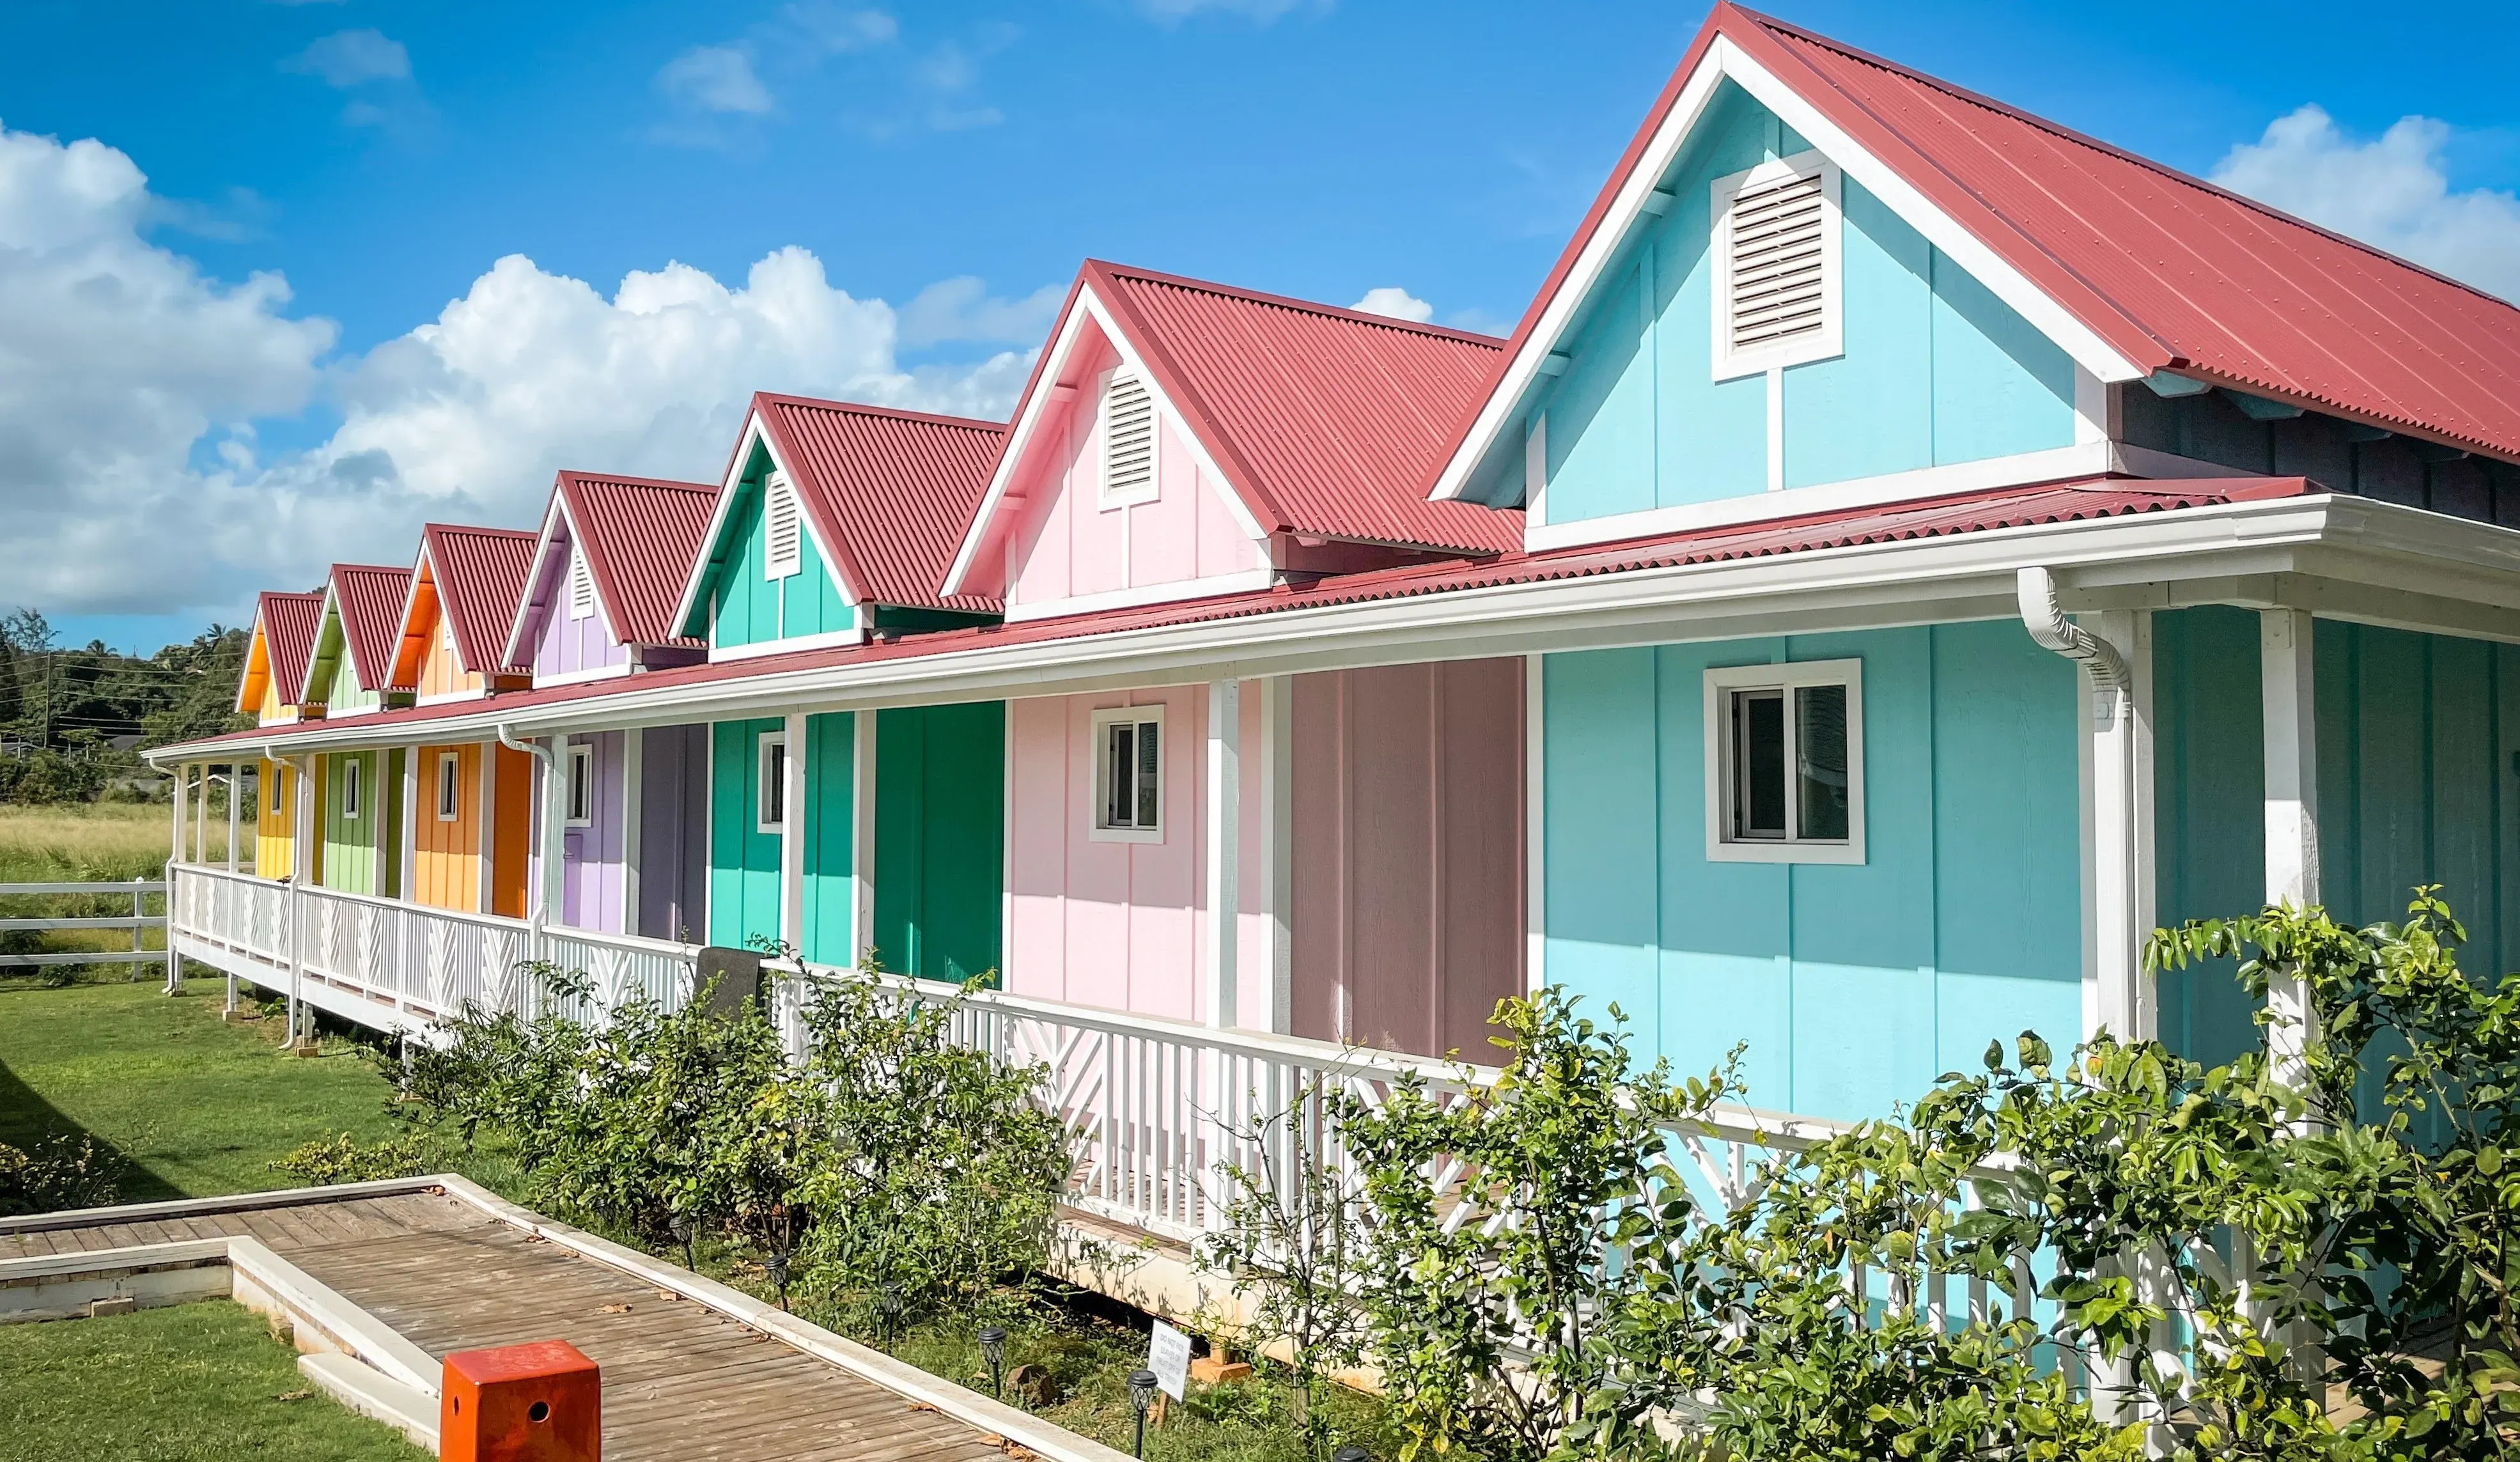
1020, 434
763, 648
411, 600
1018, 442
330, 611
577, 549
582, 677
1961, 577
1724, 61
555, 515
1142, 595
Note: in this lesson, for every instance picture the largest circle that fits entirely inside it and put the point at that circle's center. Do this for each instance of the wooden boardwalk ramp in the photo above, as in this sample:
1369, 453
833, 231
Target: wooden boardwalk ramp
690, 1369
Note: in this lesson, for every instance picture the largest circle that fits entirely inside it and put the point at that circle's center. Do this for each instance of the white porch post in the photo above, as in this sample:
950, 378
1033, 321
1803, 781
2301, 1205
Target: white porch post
199, 781
2293, 817
1277, 842
486, 832
302, 864
1223, 851
235, 795
2118, 813
176, 814
411, 814
634, 748
552, 810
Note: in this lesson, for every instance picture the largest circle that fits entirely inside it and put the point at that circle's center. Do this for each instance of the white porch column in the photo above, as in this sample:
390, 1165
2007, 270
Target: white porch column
235, 795
199, 781
486, 832
1222, 858
551, 826
410, 815
1277, 842
2118, 825
2292, 816
862, 795
176, 814
634, 751
301, 865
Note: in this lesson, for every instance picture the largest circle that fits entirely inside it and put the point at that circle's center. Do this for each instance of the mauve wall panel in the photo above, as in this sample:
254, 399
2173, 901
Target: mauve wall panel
673, 830
1408, 866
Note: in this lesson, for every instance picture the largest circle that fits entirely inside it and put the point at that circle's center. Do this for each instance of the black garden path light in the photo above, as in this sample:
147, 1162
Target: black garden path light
993, 1349
680, 1225
1141, 1394
1351, 1455
890, 1301
776, 1265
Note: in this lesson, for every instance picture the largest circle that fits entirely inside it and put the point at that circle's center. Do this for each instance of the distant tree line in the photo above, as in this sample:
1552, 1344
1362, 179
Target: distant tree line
72, 722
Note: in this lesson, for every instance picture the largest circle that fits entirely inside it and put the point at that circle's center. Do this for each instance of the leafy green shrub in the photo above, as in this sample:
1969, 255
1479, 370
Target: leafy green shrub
62, 1171
327, 1161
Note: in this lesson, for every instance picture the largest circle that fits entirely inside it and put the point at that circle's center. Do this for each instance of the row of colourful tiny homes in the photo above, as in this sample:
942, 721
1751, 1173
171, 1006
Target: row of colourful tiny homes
1855, 604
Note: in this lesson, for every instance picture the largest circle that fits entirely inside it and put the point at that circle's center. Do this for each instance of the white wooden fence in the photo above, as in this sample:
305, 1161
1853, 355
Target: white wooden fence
139, 890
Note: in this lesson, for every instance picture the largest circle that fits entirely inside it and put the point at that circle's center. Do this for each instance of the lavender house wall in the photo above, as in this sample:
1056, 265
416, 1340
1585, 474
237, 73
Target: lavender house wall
568, 647
673, 832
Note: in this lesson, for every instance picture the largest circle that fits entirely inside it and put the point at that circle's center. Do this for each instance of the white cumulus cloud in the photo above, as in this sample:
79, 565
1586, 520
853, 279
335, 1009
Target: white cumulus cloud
132, 477
714, 78
2392, 191
349, 57
962, 308
1174, 11
1396, 302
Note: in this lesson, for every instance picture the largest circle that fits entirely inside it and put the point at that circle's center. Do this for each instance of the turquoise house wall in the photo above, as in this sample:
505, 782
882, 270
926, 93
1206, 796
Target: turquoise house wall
746, 608
940, 839
830, 836
2209, 812
744, 861
1935, 369
1853, 987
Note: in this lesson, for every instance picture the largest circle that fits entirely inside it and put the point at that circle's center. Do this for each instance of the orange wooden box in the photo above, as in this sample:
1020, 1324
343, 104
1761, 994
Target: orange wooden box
542, 1402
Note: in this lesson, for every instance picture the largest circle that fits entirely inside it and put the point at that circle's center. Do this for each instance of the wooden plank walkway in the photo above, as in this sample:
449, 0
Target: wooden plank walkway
680, 1380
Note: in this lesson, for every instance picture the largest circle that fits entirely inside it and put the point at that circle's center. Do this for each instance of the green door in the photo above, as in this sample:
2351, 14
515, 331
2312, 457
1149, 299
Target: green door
940, 839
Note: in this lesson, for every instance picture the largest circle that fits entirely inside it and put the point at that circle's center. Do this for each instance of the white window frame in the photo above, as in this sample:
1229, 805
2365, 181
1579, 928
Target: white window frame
579, 792
773, 488
1103, 497
352, 775
1722, 683
1820, 344
770, 780
279, 789
1098, 746
450, 786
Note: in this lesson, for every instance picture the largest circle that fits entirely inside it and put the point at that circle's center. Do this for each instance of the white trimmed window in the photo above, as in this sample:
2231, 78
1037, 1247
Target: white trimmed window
783, 530
1128, 442
581, 587
581, 785
770, 782
1785, 762
353, 774
450, 783
278, 779
1777, 281
1129, 774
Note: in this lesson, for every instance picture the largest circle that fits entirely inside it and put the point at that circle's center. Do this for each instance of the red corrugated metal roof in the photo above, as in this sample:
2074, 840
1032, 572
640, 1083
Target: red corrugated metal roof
639, 535
286, 624
480, 574
2172, 272
1969, 513
1329, 421
889, 492
369, 598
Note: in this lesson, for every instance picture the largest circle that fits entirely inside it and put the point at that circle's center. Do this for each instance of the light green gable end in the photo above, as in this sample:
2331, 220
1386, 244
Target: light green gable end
739, 607
334, 677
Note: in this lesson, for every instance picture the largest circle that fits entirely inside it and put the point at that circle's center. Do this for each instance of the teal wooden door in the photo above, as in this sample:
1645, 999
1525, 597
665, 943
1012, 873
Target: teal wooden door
939, 839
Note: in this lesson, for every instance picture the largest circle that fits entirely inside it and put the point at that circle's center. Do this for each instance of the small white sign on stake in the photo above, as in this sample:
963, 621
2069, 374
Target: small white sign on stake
1168, 1356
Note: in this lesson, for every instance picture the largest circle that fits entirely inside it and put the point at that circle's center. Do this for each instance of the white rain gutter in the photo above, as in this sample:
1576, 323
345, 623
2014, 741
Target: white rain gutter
2047, 625
539, 912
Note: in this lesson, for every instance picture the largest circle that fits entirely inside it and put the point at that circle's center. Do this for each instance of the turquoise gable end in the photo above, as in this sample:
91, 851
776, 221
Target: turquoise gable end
1935, 369
1851, 987
741, 606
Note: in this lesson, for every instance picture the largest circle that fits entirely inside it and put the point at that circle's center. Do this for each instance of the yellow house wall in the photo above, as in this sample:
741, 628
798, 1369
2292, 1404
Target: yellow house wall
275, 825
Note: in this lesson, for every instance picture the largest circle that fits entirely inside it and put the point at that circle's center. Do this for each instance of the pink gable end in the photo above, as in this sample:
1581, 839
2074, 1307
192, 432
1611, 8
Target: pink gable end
1070, 546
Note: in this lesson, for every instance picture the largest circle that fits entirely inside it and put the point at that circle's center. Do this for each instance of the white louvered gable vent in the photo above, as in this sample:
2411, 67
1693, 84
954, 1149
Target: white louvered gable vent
581, 587
1128, 442
784, 532
1777, 247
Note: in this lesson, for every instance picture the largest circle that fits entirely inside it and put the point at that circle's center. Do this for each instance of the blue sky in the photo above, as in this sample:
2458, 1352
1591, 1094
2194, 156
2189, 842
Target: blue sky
381, 155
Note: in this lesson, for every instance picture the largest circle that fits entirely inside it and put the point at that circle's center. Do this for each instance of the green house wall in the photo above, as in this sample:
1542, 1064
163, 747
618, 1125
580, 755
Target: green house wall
940, 840
830, 837
362, 854
741, 605
744, 861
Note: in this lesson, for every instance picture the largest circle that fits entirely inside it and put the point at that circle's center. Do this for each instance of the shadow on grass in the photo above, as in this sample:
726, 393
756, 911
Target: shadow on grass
28, 1121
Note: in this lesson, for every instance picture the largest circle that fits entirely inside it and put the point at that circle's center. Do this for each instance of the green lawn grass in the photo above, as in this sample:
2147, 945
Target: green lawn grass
190, 1383
194, 1106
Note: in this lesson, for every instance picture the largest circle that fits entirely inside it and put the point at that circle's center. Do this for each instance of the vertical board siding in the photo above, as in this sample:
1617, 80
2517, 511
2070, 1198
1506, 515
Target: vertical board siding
747, 608
744, 861
830, 839
512, 793
350, 842
940, 839
1935, 369
2209, 812
1408, 898
446, 853
673, 833
564, 646
1849, 988
1071, 545
441, 673
275, 832
593, 857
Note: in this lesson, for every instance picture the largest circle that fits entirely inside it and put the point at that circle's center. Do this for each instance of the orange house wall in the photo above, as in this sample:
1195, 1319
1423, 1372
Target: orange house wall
512, 792
446, 855
441, 674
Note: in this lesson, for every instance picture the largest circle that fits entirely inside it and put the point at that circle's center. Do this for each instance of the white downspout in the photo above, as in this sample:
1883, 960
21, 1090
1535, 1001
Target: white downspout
2049, 627
538, 913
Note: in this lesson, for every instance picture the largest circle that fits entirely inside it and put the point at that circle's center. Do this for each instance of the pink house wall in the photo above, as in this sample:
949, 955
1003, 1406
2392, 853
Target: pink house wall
1120, 925
1408, 894
1070, 546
